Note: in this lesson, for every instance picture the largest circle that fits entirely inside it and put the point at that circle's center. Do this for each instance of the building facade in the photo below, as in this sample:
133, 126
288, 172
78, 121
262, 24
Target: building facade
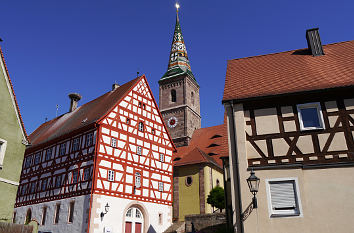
296, 132
13, 141
179, 100
105, 166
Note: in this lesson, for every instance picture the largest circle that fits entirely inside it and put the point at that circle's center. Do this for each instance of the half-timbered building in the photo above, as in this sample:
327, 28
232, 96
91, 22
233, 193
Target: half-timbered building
291, 119
105, 166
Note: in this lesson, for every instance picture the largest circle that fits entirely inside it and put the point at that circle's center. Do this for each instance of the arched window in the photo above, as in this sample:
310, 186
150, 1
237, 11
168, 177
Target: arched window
192, 97
141, 126
137, 180
173, 95
28, 216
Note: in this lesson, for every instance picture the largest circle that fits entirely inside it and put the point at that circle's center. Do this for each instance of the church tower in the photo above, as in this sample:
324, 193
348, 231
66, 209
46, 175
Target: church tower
179, 93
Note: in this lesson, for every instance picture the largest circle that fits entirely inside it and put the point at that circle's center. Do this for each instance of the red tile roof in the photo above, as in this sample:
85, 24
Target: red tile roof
84, 117
289, 72
206, 146
13, 92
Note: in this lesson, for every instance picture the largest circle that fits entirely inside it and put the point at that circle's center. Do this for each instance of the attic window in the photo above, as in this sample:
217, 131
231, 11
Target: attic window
213, 145
211, 154
216, 136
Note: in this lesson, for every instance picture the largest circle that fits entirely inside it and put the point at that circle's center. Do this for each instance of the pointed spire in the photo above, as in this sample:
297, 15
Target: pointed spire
179, 62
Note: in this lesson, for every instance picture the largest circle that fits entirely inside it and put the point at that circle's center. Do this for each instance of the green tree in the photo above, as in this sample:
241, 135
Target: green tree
216, 198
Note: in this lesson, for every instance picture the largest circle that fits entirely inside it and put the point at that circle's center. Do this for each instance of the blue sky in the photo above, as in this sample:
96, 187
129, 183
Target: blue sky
56, 47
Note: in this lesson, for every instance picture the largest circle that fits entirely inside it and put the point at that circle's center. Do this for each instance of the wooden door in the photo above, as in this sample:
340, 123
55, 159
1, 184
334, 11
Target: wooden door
138, 227
128, 227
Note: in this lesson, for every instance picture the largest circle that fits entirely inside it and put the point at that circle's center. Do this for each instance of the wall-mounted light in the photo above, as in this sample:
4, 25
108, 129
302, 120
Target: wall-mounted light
253, 184
106, 209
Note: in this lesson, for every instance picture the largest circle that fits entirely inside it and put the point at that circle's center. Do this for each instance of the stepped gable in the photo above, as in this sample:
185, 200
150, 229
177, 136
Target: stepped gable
82, 118
290, 72
207, 145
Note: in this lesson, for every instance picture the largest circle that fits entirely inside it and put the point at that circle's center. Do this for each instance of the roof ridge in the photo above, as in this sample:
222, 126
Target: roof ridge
293, 50
13, 92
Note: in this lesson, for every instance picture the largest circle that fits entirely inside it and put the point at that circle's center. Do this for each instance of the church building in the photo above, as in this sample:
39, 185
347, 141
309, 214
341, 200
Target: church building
105, 166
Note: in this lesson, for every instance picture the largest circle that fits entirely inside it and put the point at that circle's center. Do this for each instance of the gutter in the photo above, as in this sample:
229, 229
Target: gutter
236, 173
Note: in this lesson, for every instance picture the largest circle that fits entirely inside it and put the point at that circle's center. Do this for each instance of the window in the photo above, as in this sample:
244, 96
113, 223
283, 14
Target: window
128, 121
62, 149
33, 187
139, 104
71, 212
28, 161
173, 95
58, 181
160, 186
110, 175
44, 215
138, 213
138, 150
144, 106
217, 182
129, 213
3, 144
310, 116
37, 158
189, 181
86, 173
141, 126
24, 189
48, 155
160, 219
153, 131
137, 180
162, 158
76, 144
283, 197
44, 184
89, 139
192, 97
57, 212
114, 142
75, 176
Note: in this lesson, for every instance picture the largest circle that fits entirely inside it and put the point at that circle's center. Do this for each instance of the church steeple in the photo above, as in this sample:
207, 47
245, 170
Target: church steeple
179, 100
178, 63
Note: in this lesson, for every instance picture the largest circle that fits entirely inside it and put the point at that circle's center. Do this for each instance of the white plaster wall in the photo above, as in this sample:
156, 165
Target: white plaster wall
114, 219
79, 225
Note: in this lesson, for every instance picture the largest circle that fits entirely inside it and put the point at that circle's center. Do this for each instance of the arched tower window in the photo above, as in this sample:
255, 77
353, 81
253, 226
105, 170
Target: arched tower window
192, 97
173, 95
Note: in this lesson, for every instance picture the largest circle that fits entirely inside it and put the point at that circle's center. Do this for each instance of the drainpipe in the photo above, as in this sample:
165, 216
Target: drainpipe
235, 164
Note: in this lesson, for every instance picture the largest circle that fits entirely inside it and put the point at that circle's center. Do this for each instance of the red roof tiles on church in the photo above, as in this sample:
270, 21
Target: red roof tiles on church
206, 146
81, 118
289, 72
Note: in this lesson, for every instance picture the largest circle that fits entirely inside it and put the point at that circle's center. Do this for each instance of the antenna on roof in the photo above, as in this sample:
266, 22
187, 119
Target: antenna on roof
56, 113
137, 74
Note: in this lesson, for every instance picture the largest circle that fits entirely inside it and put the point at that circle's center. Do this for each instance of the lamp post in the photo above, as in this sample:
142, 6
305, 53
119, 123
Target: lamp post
253, 185
106, 209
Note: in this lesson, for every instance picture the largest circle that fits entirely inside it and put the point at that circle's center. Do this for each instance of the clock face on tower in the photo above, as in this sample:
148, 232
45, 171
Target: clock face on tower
172, 122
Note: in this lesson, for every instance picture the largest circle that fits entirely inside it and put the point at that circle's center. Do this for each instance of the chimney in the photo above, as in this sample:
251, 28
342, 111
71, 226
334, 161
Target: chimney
74, 97
314, 42
115, 86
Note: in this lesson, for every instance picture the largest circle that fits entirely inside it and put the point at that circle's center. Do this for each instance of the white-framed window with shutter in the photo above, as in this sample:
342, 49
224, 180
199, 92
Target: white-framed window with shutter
283, 197
3, 144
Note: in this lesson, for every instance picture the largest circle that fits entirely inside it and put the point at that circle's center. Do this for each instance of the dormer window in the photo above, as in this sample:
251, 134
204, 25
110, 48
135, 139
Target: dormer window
173, 95
310, 116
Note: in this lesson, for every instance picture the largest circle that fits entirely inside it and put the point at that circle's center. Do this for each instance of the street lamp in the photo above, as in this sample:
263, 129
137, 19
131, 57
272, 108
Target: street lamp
253, 184
106, 209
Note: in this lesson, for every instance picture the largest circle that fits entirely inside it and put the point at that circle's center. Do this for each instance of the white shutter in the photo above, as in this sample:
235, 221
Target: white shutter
283, 197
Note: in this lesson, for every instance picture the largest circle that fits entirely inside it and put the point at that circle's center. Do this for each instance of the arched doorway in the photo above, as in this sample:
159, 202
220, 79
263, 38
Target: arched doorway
134, 221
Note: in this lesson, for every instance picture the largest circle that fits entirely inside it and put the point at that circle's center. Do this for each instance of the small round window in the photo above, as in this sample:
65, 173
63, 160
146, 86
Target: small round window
189, 181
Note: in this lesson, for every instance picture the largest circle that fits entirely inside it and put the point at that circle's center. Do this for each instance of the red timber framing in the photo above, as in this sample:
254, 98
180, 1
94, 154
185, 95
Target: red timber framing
60, 175
338, 121
125, 159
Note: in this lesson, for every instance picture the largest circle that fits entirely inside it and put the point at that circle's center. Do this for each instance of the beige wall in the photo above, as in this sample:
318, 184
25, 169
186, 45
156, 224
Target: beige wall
210, 177
325, 194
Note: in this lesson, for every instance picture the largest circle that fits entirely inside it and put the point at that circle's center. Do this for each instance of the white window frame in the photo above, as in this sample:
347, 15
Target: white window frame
161, 186
139, 150
114, 143
76, 144
110, 175
162, 158
137, 180
3, 144
141, 126
284, 213
316, 105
